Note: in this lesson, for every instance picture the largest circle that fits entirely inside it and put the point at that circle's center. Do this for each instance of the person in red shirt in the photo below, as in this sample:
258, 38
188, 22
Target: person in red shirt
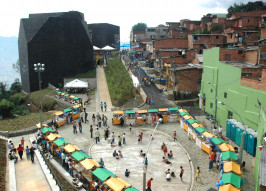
212, 158
149, 184
175, 136
20, 151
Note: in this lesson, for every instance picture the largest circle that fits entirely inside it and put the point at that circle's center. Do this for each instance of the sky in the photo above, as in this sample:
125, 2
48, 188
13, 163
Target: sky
123, 13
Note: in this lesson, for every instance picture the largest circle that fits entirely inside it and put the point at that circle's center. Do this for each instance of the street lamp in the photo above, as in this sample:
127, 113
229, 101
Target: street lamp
243, 134
215, 112
40, 68
144, 170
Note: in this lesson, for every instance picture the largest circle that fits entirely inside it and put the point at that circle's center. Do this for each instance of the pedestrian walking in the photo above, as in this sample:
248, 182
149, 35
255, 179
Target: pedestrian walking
121, 121
80, 126
119, 141
141, 136
81, 116
27, 152
97, 135
91, 130
84, 107
113, 138
63, 158
93, 119
198, 174
70, 169
124, 138
98, 117
74, 127
181, 173
152, 100
32, 154
149, 101
146, 163
66, 162
105, 120
212, 158
67, 119
105, 106
100, 122
22, 141
175, 136
20, 150
86, 117
149, 184
164, 150
101, 104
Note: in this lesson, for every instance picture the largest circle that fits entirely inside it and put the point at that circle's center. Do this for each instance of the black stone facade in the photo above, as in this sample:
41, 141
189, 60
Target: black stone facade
104, 34
58, 40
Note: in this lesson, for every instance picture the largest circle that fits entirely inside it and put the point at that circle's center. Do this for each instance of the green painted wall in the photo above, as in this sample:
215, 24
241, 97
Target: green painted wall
227, 79
261, 131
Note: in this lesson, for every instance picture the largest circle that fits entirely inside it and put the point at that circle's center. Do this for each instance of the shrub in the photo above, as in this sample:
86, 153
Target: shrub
48, 103
6, 108
18, 98
21, 110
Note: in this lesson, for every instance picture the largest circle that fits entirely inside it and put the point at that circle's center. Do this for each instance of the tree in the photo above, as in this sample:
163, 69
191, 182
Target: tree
16, 87
3, 92
250, 6
6, 107
139, 27
16, 66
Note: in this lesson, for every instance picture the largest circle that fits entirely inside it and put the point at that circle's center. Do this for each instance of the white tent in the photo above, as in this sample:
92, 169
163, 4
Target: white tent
76, 84
96, 48
107, 48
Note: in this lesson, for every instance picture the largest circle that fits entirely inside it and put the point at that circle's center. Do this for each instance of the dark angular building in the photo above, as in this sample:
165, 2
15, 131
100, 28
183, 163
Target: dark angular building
58, 40
103, 34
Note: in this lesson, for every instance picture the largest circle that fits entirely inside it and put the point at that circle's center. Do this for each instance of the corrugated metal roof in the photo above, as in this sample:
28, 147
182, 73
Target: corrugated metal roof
262, 175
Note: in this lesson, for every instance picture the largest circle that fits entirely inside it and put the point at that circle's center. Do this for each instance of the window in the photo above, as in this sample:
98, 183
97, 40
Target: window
181, 35
217, 37
211, 90
240, 51
228, 57
211, 105
231, 35
225, 95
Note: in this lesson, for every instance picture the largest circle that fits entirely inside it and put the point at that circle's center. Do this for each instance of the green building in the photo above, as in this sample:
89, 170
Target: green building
223, 79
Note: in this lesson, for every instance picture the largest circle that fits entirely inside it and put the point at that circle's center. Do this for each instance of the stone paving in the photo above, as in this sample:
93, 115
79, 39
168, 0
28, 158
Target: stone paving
134, 162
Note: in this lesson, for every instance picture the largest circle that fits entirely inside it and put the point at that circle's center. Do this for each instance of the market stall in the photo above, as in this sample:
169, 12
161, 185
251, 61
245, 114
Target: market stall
116, 117
79, 155
117, 184
46, 131
131, 189
173, 117
229, 156
226, 147
43, 125
228, 187
75, 111
71, 148
59, 118
216, 141
130, 117
102, 174
165, 113
141, 115
89, 165
231, 178
232, 167
51, 137
57, 145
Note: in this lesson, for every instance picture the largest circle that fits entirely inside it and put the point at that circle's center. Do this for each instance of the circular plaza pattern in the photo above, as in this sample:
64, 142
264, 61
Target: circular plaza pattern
134, 162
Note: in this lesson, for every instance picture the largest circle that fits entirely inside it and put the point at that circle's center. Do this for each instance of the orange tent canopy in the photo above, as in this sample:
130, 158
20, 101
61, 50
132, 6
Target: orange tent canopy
118, 112
232, 167
228, 187
163, 109
187, 117
207, 134
71, 148
143, 111
117, 184
88, 164
226, 147
52, 136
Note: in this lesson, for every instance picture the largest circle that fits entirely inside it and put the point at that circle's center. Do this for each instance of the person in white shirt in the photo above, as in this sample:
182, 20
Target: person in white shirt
168, 177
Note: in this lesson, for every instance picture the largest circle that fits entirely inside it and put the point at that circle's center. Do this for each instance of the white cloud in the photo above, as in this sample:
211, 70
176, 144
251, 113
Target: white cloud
118, 12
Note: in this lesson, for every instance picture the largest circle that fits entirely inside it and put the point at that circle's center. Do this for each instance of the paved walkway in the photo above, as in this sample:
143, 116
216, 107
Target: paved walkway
102, 90
29, 176
134, 162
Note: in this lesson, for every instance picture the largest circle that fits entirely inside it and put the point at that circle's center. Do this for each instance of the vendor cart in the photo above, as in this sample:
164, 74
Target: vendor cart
76, 111
173, 114
131, 117
141, 115
165, 114
59, 118
116, 117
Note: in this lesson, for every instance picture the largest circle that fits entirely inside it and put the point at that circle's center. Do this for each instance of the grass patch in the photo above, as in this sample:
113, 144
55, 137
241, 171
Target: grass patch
23, 122
3, 161
89, 74
48, 103
119, 83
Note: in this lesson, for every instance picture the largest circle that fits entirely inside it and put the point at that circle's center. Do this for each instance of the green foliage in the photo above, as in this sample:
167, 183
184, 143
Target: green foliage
21, 110
48, 103
18, 98
6, 108
250, 6
139, 27
16, 87
217, 28
120, 84
89, 74
16, 66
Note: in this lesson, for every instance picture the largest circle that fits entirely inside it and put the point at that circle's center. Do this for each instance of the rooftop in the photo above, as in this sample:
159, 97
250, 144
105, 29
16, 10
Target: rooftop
241, 64
179, 67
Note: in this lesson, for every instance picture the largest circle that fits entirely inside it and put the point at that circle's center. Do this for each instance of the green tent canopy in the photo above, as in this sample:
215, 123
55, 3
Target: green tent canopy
46, 129
132, 189
103, 173
231, 178
66, 95
217, 141
201, 129
191, 121
184, 113
76, 98
130, 112
173, 109
152, 110
80, 155
67, 110
228, 155
59, 92
60, 142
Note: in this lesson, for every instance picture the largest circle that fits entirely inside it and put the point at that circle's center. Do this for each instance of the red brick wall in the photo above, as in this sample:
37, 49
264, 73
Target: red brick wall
263, 32
261, 85
235, 56
256, 72
252, 56
185, 59
176, 34
188, 80
171, 43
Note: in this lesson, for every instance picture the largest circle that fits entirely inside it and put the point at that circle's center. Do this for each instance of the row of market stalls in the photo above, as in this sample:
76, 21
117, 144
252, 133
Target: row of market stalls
231, 179
140, 117
90, 169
